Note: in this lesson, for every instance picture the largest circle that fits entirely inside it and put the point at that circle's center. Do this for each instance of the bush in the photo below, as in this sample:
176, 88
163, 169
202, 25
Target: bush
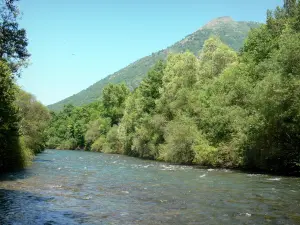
27, 154
113, 143
180, 137
97, 146
70, 144
205, 154
53, 142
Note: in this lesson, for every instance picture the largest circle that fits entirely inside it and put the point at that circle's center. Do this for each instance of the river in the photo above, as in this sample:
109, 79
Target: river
76, 187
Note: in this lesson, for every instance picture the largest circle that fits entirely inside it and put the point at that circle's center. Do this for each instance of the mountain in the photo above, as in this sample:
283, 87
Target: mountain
231, 32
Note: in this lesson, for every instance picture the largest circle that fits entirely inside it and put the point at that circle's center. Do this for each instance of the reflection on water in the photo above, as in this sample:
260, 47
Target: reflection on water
73, 187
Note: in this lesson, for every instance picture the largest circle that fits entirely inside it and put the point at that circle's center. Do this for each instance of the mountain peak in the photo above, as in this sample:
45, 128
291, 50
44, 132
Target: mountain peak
217, 21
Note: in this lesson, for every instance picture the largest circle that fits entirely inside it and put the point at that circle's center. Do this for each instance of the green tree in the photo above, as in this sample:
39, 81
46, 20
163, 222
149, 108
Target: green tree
180, 138
215, 57
96, 129
113, 99
13, 40
11, 156
34, 120
290, 6
137, 119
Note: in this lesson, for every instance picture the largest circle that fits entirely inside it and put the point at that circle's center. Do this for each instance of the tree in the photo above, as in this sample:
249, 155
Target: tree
151, 85
13, 40
180, 77
214, 58
290, 6
95, 129
34, 120
22, 118
10, 150
180, 136
140, 106
113, 98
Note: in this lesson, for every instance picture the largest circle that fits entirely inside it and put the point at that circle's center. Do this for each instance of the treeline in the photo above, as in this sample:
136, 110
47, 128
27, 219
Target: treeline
219, 108
22, 118
80, 127
23, 121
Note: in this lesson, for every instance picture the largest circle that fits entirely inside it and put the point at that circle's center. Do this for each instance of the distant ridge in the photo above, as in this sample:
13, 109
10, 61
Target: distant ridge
232, 33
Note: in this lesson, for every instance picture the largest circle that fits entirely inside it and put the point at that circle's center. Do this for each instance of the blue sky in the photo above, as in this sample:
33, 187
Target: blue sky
75, 43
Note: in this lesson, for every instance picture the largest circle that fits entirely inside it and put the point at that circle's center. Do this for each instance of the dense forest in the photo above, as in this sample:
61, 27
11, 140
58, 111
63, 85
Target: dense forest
22, 118
218, 108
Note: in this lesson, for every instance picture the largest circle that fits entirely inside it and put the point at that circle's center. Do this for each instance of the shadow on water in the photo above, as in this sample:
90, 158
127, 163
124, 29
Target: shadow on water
12, 176
16, 207
25, 173
17, 175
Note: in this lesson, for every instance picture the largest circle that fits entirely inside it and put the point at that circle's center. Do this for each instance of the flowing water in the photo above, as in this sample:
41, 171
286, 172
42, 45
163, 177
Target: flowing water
75, 187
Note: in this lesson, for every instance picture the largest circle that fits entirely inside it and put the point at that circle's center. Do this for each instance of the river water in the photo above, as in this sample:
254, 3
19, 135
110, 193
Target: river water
76, 187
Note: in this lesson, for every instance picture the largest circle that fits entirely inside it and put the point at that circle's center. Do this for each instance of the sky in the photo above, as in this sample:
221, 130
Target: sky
75, 43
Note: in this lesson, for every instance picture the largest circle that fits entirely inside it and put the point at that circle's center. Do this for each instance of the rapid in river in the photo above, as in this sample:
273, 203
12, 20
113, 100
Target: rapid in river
77, 187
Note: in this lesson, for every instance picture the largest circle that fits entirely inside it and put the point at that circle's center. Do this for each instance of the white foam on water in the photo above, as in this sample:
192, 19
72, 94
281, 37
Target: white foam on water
87, 197
274, 179
209, 170
203, 175
168, 167
245, 214
54, 186
251, 175
186, 167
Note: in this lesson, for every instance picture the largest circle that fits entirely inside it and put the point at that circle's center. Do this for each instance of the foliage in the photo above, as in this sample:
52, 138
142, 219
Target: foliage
94, 131
67, 129
180, 136
10, 150
22, 118
34, 120
112, 144
80, 127
99, 144
113, 99
138, 131
13, 40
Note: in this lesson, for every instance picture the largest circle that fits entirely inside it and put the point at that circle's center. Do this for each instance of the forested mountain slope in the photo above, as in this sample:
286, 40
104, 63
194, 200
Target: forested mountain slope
233, 33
